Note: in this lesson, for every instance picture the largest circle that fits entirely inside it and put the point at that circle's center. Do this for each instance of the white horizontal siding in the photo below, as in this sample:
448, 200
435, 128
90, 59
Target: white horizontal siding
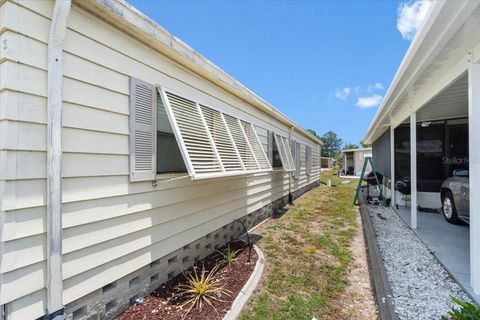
22, 223
23, 161
21, 107
22, 282
29, 306
23, 252
111, 227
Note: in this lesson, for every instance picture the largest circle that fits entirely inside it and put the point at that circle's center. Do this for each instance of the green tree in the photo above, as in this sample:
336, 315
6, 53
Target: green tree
314, 133
350, 146
331, 144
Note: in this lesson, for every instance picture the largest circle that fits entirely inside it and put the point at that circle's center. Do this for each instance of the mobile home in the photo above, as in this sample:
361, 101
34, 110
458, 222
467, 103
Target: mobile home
427, 128
125, 156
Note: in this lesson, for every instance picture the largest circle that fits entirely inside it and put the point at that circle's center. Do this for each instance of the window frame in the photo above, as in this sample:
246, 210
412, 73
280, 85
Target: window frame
285, 153
169, 134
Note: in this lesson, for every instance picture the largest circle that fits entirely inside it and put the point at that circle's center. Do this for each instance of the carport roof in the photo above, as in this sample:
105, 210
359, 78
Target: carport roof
439, 55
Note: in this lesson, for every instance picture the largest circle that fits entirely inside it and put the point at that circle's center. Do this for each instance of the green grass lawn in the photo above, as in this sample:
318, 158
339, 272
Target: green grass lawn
308, 256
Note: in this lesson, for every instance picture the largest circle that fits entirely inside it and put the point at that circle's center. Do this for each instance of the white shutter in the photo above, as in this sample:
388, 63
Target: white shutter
256, 146
297, 159
284, 152
235, 127
270, 136
197, 148
294, 153
308, 159
213, 144
223, 140
143, 107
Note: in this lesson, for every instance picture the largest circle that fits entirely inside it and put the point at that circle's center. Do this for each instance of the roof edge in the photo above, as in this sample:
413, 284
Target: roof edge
126, 17
437, 32
357, 149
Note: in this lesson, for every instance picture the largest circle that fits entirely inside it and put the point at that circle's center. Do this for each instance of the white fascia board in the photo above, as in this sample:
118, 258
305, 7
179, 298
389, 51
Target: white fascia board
126, 17
436, 32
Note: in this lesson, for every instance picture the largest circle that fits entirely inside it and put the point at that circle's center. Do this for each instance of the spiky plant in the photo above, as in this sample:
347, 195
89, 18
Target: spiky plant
229, 256
201, 289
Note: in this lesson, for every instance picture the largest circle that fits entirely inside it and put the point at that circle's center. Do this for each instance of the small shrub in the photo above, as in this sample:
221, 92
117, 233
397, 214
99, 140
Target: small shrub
201, 288
229, 256
467, 311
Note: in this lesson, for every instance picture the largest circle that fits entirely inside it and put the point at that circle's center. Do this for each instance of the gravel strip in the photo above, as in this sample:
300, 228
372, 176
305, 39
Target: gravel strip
420, 285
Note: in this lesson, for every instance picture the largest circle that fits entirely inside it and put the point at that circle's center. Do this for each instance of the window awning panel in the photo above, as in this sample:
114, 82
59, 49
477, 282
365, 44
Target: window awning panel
223, 141
284, 152
256, 146
213, 144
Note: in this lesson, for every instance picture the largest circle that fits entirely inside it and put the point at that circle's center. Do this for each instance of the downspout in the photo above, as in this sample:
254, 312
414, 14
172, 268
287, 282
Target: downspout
290, 174
58, 28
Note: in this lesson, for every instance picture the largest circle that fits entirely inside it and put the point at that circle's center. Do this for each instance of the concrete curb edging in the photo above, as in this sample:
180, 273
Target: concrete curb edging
248, 288
381, 286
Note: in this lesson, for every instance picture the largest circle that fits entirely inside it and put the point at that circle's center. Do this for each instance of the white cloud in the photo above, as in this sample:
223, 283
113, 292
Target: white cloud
342, 94
410, 15
369, 102
375, 86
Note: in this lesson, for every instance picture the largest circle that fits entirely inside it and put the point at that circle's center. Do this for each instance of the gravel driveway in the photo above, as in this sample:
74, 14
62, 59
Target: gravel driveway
420, 285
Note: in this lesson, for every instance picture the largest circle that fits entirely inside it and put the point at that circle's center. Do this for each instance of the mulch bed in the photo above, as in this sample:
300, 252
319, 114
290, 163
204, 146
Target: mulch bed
167, 303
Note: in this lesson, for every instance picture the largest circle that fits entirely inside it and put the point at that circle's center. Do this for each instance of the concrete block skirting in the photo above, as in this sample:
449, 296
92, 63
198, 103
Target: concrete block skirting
111, 300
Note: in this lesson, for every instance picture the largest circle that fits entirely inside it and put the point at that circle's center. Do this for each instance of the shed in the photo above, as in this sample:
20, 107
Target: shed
353, 161
326, 162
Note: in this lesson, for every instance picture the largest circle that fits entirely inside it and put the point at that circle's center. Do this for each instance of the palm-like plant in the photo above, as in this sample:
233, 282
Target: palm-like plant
201, 288
229, 256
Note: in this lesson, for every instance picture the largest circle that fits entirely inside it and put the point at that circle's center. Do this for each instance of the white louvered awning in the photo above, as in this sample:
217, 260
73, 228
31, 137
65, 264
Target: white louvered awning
284, 152
213, 144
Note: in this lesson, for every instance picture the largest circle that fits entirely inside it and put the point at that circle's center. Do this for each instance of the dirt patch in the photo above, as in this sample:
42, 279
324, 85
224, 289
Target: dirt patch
358, 300
167, 302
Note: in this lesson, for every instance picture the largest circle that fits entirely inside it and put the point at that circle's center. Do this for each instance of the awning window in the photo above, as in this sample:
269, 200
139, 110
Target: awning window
213, 144
284, 152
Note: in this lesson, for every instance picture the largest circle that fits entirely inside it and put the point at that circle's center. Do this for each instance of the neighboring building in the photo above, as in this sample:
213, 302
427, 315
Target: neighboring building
427, 125
353, 160
326, 162
128, 163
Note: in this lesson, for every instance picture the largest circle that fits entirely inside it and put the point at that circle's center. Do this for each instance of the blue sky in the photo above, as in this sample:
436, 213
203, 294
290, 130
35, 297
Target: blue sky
325, 64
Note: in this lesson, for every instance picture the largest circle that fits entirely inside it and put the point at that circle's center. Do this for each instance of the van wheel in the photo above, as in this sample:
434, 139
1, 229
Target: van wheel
448, 208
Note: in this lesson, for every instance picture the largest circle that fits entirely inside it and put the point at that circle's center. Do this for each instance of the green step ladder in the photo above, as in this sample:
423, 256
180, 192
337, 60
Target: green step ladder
360, 181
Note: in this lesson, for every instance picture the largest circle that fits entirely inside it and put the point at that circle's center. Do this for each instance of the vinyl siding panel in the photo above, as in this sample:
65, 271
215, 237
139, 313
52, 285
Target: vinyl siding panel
111, 227
23, 162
